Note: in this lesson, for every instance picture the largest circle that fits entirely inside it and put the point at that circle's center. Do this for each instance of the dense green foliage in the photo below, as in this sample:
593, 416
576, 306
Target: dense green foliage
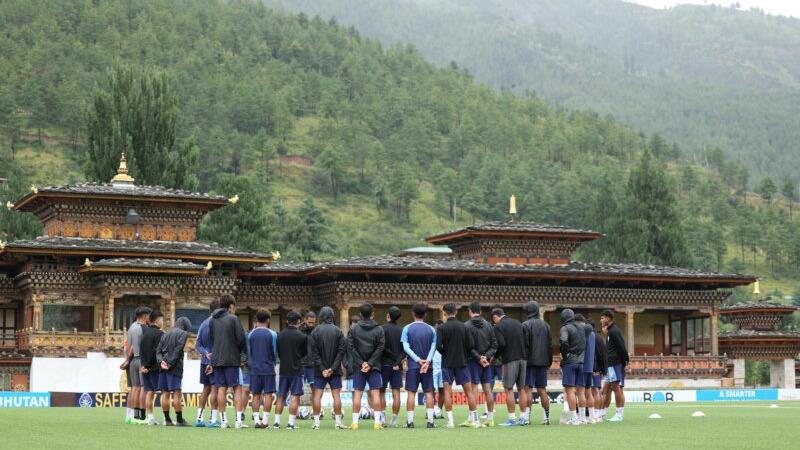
699, 75
398, 148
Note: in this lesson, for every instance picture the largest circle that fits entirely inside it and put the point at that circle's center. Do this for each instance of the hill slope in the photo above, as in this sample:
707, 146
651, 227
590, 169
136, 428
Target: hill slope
701, 76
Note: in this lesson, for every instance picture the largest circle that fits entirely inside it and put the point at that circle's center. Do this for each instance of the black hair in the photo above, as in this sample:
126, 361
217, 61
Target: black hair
450, 308
155, 315
366, 311
608, 313
213, 306
579, 318
142, 311
394, 313
475, 307
420, 310
498, 312
226, 301
293, 317
308, 314
263, 315
438, 322
355, 319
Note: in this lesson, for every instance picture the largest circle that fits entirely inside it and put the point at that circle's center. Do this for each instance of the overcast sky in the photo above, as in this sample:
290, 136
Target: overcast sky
778, 7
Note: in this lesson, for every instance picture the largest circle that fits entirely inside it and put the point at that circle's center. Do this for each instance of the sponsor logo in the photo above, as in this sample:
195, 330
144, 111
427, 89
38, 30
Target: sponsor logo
24, 399
85, 400
736, 395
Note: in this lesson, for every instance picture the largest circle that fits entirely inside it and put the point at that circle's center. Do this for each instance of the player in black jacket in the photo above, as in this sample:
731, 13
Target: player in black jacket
600, 368
150, 371
617, 360
392, 363
455, 342
292, 349
479, 364
365, 343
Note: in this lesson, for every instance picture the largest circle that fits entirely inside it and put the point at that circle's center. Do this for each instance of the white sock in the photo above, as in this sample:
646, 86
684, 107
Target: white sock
214, 415
224, 416
316, 420
394, 419
291, 419
490, 415
379, 417
356, 416
450, 417
620, 411
240, 416
265, 417
150, 416
200, 414
581, 412
338, 419
428, 414
574, 415
256, 419
512, 416
473, 416
130, 413
277, 419
410, 416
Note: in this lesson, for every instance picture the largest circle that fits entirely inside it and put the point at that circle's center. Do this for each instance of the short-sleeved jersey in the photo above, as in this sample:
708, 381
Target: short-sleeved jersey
135, 333
419, 342
262, 345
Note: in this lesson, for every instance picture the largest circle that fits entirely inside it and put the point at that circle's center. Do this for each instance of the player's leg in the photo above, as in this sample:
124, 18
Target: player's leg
269, 397
294, 403
357, 394
448, 401
379, 415
580, 395
544, 400
337, 405
166, 402
256, 406
316, 401
395, 405
177, 403
489, 400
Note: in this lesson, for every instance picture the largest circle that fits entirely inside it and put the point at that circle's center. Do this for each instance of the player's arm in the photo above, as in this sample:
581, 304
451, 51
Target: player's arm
470, 344
380, 346
354, 354
313, 352
341, 348
492, 345
177, 352
406, 346
200, 344
563, 341
549, 342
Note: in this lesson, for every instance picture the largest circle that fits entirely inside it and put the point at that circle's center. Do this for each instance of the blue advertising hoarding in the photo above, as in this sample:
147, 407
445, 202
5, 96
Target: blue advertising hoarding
736, 395
24, 399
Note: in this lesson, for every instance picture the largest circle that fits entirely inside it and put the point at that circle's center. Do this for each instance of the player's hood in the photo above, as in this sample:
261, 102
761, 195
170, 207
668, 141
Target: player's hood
219, 313
367, 324
477, 321
183, 323
532, 308
567, 316
326, 315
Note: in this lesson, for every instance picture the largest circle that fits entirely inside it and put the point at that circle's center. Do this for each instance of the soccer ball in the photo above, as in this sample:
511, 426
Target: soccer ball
304, 413
366, 413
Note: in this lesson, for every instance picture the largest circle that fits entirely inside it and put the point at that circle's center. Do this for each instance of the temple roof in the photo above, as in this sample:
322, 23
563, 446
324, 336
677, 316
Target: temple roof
202, 251
757, 305
104, 190
759, 334
158, 265
419, 264
516, 229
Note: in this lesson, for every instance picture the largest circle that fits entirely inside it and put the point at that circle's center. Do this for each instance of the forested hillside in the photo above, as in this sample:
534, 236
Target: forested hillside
702, 76
338, 145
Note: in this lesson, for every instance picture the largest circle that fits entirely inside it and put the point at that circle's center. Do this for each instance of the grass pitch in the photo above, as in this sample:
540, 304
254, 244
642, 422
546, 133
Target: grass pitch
742, 425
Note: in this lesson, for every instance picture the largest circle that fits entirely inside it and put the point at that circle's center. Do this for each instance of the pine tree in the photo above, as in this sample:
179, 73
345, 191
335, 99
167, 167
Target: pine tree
15, 225
137, 113
767, 189
244, 223
309, 231
654, 213
789, 191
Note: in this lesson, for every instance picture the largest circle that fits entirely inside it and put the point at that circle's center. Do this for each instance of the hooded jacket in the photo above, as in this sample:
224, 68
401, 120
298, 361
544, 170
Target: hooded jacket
538, 341
483, 337
588, 355
292, 348
226, 335
600, 354
327, 344
617, 353
170, 349
510, 340
150, 339
393, 353
366, 343
572, 339
202, 344
454, 342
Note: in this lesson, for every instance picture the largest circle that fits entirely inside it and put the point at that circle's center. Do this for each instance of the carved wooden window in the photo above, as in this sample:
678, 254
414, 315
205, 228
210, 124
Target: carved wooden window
8, 322
68, 318
195, 316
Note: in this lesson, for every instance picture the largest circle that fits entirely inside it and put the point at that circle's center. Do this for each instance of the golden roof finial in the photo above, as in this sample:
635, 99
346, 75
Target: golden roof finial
9, 205
122, 176
208, 266
512, 206
2, 245
87, 263
233, 200
276, 255
34, 189
756, 288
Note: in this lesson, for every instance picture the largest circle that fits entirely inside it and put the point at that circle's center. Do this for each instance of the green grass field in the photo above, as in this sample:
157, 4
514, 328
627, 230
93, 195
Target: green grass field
741, 425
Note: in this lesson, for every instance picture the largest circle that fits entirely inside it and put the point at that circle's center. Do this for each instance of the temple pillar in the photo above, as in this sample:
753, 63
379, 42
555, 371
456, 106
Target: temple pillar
37, 312
344, 318
714, 327
543, 309
171, 311
781, 373
629, 326
738, 372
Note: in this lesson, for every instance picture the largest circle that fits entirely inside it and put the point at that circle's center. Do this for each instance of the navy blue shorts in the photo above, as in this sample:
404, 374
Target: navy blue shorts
205, 380
479, 374
619, 370
391, 377
150, 381
497, 372
226, 376
262, 384
459, 375
588, 380
361, 379
597, 381
309, 373
414, 379
572, 375
536, 376
169, 383
290, 385
334, 382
